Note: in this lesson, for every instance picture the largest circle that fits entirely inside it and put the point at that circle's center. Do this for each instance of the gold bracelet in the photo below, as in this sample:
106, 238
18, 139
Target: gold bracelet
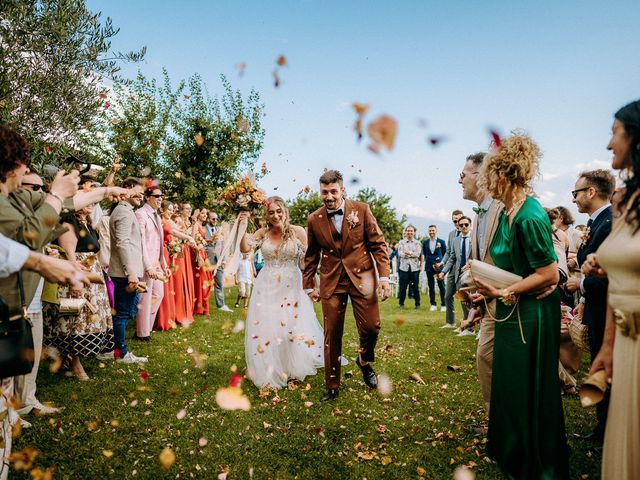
508, 298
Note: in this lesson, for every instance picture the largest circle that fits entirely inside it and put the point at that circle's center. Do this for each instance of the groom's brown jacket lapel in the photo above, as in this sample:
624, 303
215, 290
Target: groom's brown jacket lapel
353, 251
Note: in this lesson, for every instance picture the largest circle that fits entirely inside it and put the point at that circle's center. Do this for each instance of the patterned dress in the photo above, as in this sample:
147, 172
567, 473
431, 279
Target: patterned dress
91, 331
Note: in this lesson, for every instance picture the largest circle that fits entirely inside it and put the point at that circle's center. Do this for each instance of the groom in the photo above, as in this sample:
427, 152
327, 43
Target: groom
345, 240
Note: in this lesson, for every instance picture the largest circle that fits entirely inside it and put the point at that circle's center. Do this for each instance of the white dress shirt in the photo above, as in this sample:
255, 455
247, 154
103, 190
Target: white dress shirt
337, 219
13, 256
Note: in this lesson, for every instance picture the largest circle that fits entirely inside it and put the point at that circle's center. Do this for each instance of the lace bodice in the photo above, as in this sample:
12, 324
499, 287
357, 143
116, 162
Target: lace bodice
290, 254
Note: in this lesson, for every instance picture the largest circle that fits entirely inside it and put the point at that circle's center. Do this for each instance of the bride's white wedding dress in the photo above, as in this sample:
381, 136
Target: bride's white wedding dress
283, 339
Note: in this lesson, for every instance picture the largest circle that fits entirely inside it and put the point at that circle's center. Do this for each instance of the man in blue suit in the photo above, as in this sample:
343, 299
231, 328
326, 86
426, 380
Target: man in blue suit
434, 250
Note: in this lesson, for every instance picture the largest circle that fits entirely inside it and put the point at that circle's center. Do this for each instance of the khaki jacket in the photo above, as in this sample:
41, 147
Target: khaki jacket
126, 242
27, 219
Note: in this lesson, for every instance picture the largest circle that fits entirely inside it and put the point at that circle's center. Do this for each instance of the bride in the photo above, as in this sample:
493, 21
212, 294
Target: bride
283, 339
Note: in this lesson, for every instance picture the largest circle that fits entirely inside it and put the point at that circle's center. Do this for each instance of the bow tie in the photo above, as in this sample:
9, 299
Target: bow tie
337, 212
479, 210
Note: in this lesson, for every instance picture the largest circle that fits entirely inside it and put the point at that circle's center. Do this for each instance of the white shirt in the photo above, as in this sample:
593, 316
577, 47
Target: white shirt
337, 219
13, 256
244, 273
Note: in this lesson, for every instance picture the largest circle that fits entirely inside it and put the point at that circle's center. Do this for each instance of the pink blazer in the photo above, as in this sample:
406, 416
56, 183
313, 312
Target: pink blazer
152, 238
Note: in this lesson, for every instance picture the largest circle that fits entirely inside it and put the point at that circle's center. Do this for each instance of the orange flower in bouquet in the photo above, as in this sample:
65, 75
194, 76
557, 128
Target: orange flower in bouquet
242, 195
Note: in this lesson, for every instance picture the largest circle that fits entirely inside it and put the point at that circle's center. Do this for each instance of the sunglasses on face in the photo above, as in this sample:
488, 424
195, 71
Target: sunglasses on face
158, 195
34, 186
463, 175
574, 193
463, 224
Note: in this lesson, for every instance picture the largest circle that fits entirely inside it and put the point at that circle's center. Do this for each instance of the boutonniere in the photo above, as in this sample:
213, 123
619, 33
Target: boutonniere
585, 234
438, 245
353, 219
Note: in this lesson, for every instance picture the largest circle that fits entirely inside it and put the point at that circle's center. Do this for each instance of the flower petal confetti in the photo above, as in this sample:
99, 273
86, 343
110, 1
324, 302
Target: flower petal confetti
167, 458
382, 131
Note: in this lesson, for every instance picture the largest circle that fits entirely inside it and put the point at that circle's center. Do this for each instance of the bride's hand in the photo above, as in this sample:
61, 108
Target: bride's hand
243, 217
314, 295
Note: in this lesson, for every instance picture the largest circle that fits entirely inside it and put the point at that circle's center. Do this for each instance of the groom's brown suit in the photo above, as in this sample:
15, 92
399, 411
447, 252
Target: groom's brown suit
346, 262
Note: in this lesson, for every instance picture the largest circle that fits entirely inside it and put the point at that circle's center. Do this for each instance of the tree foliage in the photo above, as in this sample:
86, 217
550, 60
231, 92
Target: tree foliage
55, 57
386, 216
213, 140
303, 205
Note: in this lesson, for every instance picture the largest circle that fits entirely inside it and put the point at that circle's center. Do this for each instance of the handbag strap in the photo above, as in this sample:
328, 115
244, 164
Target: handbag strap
23, 302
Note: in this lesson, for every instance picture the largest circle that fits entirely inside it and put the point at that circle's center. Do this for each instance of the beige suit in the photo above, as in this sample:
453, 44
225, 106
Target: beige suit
484, 353
126, 242
347, 271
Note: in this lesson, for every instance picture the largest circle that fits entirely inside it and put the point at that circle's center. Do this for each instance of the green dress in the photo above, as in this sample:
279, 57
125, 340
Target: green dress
526, 422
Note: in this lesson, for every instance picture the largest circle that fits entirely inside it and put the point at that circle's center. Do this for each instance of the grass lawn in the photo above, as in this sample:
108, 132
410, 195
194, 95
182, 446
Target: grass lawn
117, 424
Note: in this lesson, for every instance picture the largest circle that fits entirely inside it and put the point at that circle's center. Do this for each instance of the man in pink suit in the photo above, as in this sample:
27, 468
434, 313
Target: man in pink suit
155, 267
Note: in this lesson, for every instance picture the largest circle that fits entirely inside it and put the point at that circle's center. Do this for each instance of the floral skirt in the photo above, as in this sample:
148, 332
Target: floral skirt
88, 333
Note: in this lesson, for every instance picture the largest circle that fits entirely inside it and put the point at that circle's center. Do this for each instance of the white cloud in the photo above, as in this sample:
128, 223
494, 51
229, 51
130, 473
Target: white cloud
576, 169
547, 198
416, 211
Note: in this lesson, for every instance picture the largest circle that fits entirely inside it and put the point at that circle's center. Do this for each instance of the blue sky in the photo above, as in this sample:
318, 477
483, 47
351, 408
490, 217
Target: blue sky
559, 70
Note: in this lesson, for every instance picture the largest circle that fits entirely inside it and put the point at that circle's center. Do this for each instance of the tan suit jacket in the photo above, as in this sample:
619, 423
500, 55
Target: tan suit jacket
493, 216
126, 242
354, 251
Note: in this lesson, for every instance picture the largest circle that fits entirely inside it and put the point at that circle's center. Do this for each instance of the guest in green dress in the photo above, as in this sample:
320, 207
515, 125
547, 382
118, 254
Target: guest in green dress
526, 423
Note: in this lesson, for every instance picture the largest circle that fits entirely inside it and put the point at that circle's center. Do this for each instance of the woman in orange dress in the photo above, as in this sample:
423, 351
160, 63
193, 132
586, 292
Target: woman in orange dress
184, 263
202, 276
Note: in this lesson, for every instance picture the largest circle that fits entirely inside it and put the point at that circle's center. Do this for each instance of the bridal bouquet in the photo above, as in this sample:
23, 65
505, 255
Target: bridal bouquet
242, 196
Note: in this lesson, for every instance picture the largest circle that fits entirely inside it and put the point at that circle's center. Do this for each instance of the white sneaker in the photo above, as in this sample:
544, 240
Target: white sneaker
443, 309
433, 308
106, 356
224, 308
131, 358
448, 325
39, 409
466, 333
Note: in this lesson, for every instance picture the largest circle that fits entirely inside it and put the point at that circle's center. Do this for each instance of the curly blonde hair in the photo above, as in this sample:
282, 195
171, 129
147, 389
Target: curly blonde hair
513, 165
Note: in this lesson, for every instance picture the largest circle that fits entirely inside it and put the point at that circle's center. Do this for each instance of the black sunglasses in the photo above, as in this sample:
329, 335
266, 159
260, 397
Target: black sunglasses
464, 224
574, 193
158, 195
34, 186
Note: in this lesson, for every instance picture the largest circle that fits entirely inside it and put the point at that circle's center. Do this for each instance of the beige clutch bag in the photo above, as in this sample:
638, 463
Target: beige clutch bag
71, 306
487, 273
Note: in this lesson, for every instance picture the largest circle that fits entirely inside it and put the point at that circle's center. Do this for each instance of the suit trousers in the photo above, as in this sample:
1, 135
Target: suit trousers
126, 307
25, 385
218, 285
484, 357
148, 306
411, 280
367, 315
431, 281
450, 291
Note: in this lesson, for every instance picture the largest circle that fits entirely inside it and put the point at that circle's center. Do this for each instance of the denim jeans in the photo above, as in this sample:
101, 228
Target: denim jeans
126, 307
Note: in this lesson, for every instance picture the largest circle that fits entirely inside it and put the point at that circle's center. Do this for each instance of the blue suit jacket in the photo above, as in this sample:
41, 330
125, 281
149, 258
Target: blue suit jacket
435, 257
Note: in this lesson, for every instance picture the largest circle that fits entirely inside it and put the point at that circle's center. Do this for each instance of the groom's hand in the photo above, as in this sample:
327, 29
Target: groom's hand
384, 290
314, 295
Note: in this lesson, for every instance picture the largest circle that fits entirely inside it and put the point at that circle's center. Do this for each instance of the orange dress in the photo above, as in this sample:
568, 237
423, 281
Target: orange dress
187, 281
166, 318
202, 280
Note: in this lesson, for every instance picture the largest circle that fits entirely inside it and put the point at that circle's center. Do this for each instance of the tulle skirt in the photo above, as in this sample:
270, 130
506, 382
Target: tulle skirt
283, 339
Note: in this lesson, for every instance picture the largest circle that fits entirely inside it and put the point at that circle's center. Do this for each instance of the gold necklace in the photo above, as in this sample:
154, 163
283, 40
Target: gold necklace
517, 204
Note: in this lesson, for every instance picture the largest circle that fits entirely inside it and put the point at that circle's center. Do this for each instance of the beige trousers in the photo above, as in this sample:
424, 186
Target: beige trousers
484, 358
25, 385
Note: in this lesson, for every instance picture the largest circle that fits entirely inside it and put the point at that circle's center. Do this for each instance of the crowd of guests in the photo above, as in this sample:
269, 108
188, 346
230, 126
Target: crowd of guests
86, 259
585, 275
82, 273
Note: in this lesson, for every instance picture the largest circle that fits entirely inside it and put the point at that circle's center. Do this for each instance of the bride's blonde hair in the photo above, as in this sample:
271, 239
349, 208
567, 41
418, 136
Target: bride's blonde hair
287, 231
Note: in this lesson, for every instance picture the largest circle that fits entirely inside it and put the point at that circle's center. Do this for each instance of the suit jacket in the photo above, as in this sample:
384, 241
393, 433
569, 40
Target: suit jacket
152, 237
27, 219
126, 242
491, 224
595, 289
454, 257
352, 251
433, 257
450, 239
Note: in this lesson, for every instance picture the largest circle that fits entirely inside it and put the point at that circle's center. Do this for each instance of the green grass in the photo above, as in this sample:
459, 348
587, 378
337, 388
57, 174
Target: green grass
358, 436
